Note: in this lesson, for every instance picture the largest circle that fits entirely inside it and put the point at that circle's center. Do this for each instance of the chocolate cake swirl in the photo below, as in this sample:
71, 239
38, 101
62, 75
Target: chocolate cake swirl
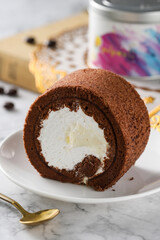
89, 128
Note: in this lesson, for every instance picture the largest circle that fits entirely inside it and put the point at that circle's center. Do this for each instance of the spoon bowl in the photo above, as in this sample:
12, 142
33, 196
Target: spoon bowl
31, 218
38, 217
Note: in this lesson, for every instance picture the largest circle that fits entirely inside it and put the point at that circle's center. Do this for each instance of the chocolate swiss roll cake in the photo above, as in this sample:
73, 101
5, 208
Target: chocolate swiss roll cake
89, 128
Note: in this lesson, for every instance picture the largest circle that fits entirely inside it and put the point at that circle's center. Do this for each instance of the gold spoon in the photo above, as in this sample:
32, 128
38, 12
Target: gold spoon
31, 218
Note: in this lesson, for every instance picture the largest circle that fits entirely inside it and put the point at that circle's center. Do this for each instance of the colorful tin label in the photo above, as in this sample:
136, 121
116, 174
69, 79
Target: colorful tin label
129, 52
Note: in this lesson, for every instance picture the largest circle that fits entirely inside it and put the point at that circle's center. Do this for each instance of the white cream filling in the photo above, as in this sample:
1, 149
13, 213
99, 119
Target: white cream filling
67, 137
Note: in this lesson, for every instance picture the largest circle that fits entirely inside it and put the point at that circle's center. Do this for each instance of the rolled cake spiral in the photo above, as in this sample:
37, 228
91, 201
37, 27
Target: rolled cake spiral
89, 128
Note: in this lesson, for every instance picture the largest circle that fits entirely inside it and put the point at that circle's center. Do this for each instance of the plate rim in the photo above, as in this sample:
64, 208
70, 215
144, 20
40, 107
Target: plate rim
72, 199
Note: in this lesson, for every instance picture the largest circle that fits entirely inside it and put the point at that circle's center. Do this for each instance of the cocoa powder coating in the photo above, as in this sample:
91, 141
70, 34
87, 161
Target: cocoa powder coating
115, 106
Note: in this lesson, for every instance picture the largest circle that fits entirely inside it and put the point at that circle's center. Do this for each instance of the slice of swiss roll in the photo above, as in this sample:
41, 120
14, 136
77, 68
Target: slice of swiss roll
89, 128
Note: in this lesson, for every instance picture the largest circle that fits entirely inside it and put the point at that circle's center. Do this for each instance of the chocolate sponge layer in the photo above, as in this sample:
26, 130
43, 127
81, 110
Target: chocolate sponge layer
115, 106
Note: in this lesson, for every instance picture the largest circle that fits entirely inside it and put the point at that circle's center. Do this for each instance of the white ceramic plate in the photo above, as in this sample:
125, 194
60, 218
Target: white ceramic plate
146, 174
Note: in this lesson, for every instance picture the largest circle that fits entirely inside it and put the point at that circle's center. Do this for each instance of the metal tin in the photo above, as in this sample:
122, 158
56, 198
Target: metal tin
124, 37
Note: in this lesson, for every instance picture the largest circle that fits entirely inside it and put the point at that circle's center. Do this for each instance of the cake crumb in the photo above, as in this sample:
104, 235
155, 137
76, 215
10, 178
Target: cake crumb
149, 99
132, 178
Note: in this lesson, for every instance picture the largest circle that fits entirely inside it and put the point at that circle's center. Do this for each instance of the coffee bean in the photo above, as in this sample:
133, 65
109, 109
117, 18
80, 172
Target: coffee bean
51, 43
30, 40
1, 90
8, 105
12, 92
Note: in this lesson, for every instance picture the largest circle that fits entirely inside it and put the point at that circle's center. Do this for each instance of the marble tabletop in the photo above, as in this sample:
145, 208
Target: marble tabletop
137, 219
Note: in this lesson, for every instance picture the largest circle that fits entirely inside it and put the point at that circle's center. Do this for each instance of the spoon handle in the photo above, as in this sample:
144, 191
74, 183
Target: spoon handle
14, 203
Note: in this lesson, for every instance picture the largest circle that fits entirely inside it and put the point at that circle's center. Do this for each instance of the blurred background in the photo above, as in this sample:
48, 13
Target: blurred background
19, 15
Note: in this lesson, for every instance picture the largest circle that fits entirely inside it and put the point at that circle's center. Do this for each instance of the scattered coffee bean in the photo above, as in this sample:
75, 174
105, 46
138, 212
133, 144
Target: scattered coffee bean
1, 90
8, 105
30, 40
12, 92
113, 190
51, 43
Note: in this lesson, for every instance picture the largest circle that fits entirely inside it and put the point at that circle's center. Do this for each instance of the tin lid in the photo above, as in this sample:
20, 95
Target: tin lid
137, 11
